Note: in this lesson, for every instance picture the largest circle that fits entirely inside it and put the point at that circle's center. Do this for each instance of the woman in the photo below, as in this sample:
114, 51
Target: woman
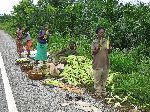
43, 39
28, 41
19, 43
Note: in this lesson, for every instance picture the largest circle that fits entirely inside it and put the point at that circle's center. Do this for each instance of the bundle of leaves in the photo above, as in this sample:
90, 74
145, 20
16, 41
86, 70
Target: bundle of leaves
78, 71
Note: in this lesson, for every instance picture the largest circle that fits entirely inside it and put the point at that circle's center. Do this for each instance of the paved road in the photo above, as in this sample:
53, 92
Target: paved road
3, 103
32, 96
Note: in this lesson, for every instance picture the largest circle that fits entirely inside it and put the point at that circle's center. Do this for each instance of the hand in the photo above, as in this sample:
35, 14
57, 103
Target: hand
97, 48
110, 50
47, 41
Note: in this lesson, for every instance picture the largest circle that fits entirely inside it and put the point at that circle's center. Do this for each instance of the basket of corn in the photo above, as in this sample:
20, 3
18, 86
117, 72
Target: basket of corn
26, 67
22, 61
35, 74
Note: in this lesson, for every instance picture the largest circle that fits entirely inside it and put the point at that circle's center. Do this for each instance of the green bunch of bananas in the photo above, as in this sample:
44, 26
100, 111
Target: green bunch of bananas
51, 82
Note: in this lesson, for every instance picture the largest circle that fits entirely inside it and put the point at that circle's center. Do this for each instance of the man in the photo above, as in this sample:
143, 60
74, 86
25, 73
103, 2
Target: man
100, 48
68, 51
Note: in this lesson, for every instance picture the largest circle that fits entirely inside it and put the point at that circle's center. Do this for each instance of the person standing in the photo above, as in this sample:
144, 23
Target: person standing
19, 40
100, 49
43, 39
28, 41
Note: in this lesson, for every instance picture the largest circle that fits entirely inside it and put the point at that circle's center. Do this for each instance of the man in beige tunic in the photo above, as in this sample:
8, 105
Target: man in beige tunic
100, 48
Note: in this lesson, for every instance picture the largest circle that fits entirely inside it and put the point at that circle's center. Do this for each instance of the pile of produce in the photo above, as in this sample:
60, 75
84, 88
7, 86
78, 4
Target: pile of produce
63, 86
26, 67
78, 71
22, 61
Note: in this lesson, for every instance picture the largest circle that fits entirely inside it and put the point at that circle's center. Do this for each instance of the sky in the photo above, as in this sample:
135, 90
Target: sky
6, 6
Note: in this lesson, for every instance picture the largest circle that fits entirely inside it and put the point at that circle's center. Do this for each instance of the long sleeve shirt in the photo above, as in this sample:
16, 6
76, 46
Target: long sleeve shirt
100, 54
44, 36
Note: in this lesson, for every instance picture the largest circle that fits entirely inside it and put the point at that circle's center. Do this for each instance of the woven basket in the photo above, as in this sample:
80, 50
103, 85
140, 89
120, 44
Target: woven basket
35, 75
22, 62
26, 67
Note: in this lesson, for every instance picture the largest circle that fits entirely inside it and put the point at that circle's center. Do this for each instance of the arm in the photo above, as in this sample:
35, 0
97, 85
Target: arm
109, 48
94, 49
48, 37
61, 52
25, 36
75, 53
17, 32
41, 34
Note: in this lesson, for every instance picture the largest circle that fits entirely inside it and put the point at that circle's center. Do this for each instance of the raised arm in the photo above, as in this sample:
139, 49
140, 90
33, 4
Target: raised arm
41, 34
61, 52
94, 48
109, 48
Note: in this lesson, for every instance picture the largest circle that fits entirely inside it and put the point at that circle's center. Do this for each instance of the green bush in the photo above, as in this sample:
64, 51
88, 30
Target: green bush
122, 62
136, 86
57, 42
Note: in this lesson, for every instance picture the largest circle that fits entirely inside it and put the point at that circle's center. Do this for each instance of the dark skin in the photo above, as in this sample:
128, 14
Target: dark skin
45, 29
71, 50
72, 46
100, 36
26, 30
19, 44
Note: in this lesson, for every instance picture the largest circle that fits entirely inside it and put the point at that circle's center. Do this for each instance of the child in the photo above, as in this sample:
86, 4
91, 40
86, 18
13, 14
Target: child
28, 40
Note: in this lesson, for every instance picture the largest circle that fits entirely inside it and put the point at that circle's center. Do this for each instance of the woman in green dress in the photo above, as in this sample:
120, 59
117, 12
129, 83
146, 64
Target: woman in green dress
43, 39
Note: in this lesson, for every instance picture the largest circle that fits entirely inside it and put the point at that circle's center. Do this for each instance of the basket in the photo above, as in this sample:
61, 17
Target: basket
20, 62
35, 75
26, 67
